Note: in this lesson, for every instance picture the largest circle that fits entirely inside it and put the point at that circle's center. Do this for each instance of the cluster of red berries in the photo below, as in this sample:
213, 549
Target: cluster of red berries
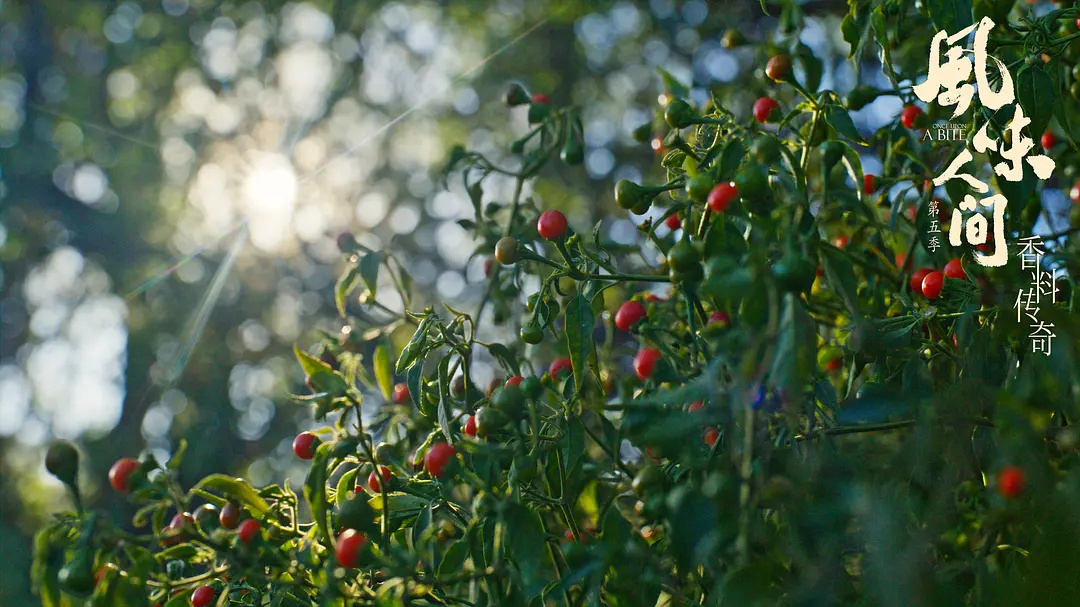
711, 434
778, 68
930, 282
627, 317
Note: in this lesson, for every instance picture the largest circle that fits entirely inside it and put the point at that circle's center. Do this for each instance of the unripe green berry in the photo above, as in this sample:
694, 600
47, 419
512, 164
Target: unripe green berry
516, 95
572, 152
62, 461
779, 68
629, 195
698, 187
678, 114
531, 334
643, 132
506, 251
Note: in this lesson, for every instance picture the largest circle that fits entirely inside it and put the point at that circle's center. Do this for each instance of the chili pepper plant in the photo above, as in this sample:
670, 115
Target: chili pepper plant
776, 395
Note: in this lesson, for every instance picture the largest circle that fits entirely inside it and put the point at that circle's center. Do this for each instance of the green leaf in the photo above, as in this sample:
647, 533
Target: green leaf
391, 594
179, 551
413, 377
476, 195
573, 443
311, 365
752, 585
876, 408
998, 10
142, 561
505, 357
615, 531
323, 377
793, 362
580, 323
839, 119
1017, 192
384, 374
916, 381
525, 544
423, 522
955, 189
853, 164
47, 561
454, 558
181, 599
444, 398
693, 524
1068, 115
724, 240
673, 160
811, 66
398, 501
950, 15
840, 275
897, 338
315, 490
345, 485
734, 152
415, 348
855, 26
345, 284
1038, 96
178, 456
236, 489
672, 84
369, 271
825, 392
608, 432
881, 28
480, 542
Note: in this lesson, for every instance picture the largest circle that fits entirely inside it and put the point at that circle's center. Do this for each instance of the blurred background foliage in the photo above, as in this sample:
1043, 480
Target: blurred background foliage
174, 173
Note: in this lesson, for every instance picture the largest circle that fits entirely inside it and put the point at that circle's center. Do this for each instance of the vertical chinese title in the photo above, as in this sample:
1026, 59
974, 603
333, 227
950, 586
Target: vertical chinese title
947, 81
